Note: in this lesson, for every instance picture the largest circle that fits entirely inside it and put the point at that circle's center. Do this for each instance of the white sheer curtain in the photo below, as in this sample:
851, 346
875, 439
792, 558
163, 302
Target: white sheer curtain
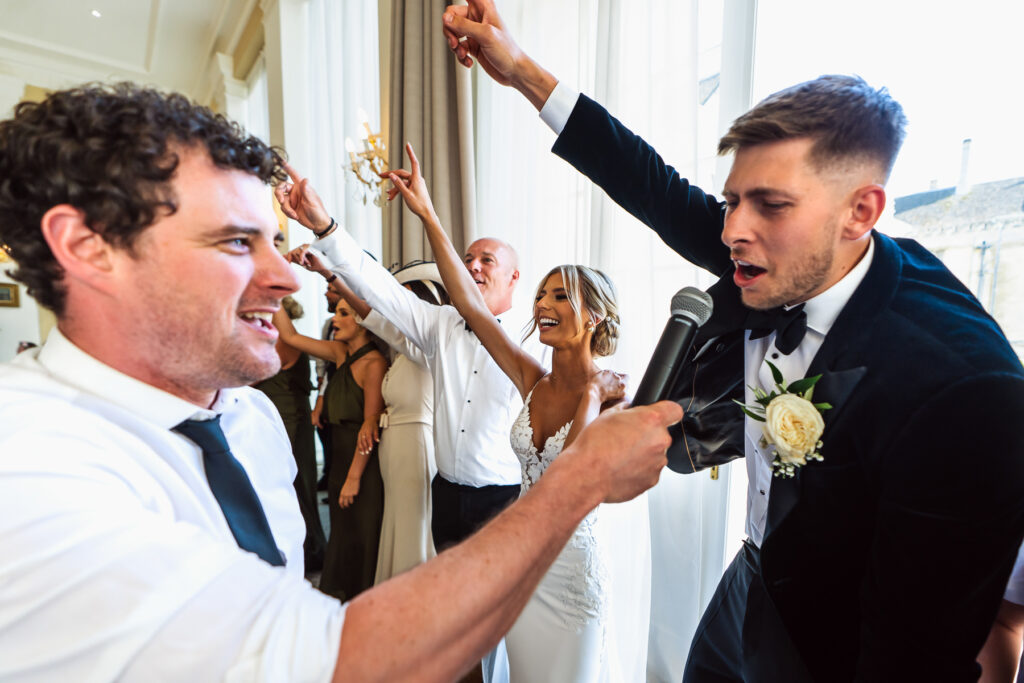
344, 76
655, 64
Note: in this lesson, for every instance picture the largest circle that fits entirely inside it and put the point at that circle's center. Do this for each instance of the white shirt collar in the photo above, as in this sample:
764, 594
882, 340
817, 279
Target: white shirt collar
62, 358
823, 309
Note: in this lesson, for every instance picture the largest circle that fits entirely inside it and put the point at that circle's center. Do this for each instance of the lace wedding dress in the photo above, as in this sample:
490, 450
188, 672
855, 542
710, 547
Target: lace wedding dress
561, 636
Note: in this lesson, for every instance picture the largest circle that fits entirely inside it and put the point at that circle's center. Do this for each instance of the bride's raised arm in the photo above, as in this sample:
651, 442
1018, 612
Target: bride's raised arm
521, 367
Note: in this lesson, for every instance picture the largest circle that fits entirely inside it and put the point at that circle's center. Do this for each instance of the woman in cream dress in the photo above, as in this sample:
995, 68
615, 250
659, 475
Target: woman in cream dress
406, 449
407, 439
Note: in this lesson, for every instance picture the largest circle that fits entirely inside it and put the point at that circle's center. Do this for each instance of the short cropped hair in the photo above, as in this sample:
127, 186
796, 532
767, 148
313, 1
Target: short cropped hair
109, 151
591, 293
847, 119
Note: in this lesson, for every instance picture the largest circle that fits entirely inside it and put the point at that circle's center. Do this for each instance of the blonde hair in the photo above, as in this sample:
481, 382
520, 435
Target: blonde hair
292, 307
590, 290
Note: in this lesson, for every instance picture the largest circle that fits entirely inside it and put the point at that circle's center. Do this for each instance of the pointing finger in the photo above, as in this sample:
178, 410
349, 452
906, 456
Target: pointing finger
292, 173
412, 158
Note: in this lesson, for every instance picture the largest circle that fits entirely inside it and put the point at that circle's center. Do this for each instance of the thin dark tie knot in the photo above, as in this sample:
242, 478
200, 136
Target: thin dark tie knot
789, 326
233, 489
207, 434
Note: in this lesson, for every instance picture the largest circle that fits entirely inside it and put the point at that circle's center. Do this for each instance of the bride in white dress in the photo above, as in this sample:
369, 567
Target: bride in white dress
561, 636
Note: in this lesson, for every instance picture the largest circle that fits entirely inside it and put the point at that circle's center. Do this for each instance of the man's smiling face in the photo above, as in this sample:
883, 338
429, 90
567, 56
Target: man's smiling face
492, 264
201, 284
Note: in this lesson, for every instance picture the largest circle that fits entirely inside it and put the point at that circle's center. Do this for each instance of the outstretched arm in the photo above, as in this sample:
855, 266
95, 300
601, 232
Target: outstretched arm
448, 612
521, 367
321, 348
416, 319
477, 31
311, 261
621, 163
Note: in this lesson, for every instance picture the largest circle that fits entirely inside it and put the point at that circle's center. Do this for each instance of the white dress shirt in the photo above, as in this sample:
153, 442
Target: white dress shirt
821, 311
117, 561
475, 403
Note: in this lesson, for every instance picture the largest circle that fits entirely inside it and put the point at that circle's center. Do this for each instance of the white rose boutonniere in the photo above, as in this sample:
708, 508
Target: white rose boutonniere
793, 425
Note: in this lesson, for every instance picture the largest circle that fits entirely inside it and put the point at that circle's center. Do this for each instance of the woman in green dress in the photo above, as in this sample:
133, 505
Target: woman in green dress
353, 404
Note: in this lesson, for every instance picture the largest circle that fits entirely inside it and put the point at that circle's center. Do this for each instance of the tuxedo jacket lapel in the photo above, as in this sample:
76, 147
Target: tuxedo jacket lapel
833, 388
838, 382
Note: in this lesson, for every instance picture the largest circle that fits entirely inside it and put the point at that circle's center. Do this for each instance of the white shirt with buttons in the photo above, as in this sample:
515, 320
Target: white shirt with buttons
475, 403
117, 562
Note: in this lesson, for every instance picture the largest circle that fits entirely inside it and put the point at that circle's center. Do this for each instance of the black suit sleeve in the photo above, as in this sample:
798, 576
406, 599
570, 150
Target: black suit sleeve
950, 519
633, 174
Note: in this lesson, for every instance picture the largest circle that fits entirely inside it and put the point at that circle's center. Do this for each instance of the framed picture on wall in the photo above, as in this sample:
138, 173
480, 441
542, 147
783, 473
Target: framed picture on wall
9, 294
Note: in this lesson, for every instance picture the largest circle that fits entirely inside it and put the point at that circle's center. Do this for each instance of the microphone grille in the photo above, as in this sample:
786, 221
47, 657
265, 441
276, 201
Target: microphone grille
692, 302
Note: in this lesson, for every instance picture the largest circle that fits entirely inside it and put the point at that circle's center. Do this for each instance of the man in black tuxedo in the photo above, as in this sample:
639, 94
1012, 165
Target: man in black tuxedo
886, 560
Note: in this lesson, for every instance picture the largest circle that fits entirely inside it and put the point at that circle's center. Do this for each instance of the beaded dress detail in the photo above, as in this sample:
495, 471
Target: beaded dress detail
567, 613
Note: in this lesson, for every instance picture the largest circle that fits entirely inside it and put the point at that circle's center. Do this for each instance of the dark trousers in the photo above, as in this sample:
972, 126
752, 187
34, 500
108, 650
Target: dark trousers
741, 636
459, 510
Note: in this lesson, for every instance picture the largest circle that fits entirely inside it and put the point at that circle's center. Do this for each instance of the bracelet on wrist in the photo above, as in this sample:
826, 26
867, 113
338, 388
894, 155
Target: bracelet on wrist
330, 226
332, 278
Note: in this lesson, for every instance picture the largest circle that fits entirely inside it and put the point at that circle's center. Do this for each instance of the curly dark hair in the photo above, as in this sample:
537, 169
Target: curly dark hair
109, 151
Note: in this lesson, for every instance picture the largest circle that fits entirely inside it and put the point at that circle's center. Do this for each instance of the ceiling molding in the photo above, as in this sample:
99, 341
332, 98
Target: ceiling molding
43, 68
169, 44
241, 24
64, 53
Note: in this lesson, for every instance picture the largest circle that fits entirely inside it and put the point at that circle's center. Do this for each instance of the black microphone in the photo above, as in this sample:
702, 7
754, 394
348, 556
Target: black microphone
691, 308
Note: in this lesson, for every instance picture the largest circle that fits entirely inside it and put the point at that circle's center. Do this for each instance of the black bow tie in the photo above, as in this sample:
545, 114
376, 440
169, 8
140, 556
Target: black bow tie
789, 326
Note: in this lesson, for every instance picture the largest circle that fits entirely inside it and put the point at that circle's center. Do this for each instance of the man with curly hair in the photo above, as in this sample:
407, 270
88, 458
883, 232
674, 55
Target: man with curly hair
147, 517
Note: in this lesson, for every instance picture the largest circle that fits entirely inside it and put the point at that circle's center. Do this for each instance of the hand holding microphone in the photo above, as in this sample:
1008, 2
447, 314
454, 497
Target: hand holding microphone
691, 308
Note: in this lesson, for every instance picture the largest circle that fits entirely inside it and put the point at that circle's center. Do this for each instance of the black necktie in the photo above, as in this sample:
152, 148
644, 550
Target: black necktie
233, 490
789, 326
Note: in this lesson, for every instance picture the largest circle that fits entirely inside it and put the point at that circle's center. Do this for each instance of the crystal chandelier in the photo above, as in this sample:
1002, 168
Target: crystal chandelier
368, 163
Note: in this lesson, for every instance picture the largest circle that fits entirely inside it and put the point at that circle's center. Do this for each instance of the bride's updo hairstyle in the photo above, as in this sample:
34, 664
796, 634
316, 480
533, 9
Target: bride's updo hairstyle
592, 297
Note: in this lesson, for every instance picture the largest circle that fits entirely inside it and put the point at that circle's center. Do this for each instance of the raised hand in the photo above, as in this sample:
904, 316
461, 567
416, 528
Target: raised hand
308, 259
485, 38
300, 202
411, 186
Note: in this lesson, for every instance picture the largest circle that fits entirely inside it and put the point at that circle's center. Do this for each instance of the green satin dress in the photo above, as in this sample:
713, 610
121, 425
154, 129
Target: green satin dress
289, 391
350, 562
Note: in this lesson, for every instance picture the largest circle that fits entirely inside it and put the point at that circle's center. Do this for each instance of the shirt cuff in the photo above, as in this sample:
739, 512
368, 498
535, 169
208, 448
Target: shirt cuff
558, 107
329, 250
